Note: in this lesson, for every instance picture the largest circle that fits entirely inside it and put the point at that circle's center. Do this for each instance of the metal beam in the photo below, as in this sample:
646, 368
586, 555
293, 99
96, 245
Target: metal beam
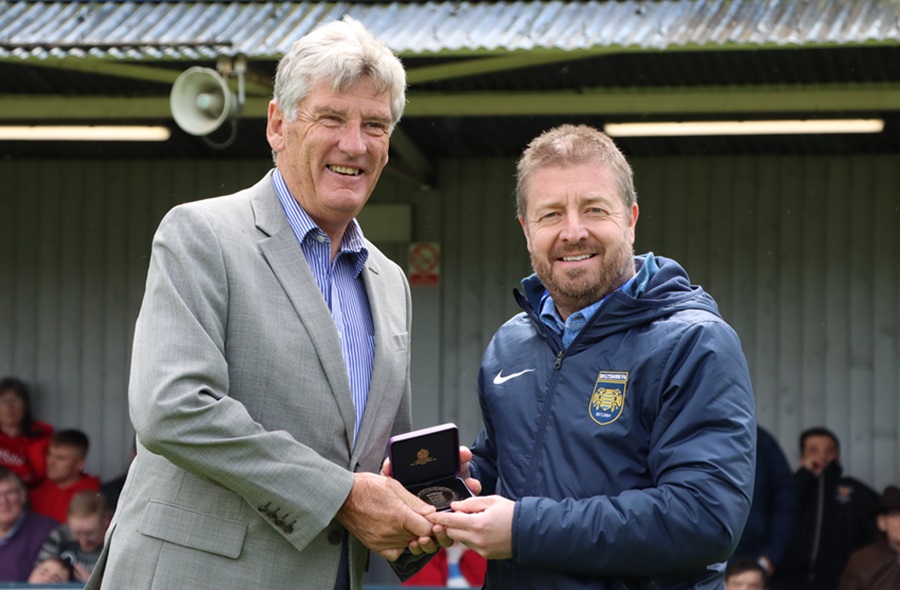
713, 100
662, 101
254, 81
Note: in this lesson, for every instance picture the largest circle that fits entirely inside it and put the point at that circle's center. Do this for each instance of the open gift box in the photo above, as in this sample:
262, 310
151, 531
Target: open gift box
426, 462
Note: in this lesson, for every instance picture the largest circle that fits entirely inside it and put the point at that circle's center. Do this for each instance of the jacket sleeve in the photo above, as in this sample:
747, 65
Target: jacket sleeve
701, 460
179, 388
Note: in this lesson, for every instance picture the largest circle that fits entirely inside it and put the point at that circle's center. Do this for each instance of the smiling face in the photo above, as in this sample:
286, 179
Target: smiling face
332, 154
88, 530
12, 502
579, 233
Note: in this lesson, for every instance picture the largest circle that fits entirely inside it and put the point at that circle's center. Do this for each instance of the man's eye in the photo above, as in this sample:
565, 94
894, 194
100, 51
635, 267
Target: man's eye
376, 129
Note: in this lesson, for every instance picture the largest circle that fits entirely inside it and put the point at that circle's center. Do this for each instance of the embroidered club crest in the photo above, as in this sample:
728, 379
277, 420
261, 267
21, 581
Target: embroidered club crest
844, 494
608, 397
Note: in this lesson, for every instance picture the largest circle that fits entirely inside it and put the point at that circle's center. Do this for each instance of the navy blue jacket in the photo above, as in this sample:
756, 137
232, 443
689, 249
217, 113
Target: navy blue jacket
631, 453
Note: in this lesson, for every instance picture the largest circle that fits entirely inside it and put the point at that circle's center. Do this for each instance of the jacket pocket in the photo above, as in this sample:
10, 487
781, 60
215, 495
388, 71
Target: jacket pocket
197, 530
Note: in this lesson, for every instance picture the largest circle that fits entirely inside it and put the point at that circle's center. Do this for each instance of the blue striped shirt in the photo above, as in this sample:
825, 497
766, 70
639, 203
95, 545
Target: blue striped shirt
343, 289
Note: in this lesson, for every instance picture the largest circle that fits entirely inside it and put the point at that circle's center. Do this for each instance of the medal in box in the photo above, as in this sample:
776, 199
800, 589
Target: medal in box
426, 462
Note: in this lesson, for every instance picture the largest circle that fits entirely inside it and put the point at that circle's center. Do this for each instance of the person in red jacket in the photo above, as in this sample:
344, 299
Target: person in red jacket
23, 440
65, 475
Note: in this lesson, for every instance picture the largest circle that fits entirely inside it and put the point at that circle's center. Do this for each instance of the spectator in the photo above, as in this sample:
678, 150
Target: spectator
771, 521
833, 518
53, 570
21, 531
877, 566
23, 440
80, 540
65, 475
745, 573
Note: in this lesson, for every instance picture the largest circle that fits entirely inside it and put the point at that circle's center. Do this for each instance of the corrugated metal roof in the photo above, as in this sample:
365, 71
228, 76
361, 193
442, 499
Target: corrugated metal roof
151, 31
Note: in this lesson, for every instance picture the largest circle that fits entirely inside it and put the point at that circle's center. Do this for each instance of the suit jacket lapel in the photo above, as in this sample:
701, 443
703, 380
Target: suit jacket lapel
382, 366
285, 257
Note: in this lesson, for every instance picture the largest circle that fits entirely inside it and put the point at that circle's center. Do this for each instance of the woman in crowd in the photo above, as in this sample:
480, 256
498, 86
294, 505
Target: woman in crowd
23, 440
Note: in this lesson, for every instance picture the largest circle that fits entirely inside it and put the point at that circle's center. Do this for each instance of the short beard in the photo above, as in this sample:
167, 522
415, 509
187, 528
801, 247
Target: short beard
576, 295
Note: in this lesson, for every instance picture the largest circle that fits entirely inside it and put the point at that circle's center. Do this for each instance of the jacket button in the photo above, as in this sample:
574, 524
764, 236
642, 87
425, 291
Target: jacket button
335, 537
289, 528
264, 508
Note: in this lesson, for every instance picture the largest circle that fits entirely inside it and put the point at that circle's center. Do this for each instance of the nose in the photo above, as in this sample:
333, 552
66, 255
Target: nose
573, 229
353, 142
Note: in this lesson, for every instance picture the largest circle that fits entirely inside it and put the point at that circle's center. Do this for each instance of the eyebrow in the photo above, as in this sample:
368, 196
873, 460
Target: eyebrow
329, 110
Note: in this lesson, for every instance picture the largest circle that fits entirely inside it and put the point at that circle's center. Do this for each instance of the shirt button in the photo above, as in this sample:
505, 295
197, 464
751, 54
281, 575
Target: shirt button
335, 537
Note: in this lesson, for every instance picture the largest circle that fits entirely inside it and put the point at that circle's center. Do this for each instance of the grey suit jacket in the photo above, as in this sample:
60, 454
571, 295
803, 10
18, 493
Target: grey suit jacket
242, 407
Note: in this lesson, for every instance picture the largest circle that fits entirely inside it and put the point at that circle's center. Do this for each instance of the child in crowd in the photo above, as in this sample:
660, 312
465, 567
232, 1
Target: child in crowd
80, 540
65, 475
53, 570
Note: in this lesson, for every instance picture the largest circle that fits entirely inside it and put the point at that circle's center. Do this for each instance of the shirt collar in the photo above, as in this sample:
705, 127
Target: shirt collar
353, 242
578, 319
15, 529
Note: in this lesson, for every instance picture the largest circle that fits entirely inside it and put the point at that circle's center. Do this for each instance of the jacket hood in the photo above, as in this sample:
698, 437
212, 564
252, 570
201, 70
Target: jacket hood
661, 288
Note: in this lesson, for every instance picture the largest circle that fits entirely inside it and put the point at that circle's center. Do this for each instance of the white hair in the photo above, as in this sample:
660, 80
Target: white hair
339, 53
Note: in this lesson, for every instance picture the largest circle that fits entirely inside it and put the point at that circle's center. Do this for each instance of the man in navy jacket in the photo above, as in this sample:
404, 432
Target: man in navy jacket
619, 435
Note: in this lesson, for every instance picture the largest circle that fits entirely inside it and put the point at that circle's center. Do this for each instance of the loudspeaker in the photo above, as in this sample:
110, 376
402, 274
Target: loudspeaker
201, 101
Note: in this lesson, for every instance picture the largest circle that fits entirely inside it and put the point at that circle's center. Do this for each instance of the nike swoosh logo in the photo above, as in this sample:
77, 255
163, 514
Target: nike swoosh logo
500, 379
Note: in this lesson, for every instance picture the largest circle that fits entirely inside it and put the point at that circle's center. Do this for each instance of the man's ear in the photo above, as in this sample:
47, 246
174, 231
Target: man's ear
633, 221
275, 126
525, 231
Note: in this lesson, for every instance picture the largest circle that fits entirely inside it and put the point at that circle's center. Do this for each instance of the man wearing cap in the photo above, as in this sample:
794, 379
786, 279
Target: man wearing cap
877, 566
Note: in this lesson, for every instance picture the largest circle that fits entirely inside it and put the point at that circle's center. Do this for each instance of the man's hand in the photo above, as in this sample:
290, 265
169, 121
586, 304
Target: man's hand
384, 516
482, 524
439, 536
431, 544
465, 457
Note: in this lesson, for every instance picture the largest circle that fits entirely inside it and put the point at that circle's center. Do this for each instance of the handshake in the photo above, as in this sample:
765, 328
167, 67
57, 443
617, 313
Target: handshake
436, 506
